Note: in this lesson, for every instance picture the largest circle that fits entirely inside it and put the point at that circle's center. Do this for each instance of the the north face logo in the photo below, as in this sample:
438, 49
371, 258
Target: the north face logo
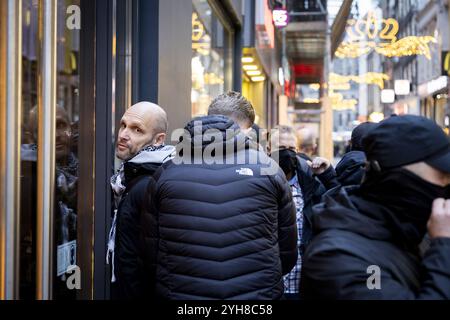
245, 172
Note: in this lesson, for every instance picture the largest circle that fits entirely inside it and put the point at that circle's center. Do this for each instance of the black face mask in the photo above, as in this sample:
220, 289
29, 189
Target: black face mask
287, 160
407, 198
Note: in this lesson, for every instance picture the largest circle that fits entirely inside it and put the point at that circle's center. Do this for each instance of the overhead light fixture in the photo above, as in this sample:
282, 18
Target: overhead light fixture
314, 86
247, 59
311, 100
387, 96
250, 67
402, 87
259, 78
254, 73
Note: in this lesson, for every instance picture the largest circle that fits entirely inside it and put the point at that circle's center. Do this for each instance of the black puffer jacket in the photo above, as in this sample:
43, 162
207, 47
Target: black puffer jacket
134, 258
350, 170
353, 235
226, 231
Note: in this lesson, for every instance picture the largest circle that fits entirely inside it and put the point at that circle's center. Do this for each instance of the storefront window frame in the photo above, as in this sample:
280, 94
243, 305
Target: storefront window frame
10, 115
11, 140
220, 12
230, 59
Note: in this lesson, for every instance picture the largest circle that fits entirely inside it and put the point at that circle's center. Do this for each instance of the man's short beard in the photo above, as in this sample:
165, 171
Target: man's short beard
131, 156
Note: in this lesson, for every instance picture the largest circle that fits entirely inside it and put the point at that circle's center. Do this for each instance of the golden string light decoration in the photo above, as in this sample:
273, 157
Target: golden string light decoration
345, 104
342, 82
408, 46
373, 34
201, 41
352, 50
339, 103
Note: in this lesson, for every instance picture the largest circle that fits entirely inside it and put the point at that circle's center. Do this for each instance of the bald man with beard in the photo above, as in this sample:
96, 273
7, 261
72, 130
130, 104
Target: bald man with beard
140, 146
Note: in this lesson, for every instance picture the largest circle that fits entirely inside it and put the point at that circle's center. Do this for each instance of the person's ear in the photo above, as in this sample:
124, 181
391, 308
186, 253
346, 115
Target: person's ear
159, 138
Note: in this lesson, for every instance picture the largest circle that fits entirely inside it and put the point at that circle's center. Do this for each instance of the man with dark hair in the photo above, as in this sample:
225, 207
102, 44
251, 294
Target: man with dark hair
367, 238
356, 140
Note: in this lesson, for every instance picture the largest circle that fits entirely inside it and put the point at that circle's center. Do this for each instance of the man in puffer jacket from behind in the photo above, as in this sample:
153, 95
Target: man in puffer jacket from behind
226, 229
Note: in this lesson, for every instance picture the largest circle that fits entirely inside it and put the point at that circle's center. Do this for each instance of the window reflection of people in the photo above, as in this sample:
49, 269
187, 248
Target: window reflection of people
66, 177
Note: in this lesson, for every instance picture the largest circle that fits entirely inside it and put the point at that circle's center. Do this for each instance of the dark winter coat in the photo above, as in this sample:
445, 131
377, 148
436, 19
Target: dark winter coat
226, 231
355, 241
135, 229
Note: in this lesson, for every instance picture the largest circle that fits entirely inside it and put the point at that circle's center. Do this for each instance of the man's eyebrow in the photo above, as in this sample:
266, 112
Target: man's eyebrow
136, 124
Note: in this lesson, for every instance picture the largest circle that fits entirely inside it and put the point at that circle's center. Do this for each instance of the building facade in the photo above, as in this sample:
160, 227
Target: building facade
68, 71
433, 78
426, 73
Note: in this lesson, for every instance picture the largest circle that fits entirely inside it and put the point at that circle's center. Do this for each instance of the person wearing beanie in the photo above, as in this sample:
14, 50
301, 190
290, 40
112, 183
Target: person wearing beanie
350, 170
367, 238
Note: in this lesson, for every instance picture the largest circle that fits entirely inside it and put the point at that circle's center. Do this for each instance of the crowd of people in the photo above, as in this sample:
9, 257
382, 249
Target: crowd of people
229, 213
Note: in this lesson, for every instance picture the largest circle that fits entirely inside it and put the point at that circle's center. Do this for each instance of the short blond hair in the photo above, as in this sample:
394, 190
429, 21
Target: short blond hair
234, 105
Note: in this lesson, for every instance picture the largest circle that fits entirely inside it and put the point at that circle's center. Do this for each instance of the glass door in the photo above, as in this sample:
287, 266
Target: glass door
57, 102
57, 141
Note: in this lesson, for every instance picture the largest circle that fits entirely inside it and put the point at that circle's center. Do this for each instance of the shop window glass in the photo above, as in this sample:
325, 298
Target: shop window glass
30, 57
66, 151
211, 57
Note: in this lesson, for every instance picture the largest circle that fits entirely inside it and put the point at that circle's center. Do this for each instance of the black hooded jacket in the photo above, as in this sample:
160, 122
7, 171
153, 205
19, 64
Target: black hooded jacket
350, 170
225, 231
134, 261
354, 238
